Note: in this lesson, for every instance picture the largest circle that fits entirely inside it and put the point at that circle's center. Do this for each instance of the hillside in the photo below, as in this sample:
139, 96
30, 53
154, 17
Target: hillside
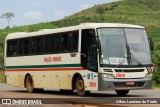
140, 12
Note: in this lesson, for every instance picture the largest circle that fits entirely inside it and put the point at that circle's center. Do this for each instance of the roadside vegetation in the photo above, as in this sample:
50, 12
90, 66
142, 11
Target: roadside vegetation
2, 78
140, 12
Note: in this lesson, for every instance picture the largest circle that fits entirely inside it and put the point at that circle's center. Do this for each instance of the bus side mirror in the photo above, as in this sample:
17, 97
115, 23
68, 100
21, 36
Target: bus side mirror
151, 44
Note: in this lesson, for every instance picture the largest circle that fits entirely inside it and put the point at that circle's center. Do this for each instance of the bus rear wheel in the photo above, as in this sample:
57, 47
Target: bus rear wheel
122, 92
30, 84
80, 87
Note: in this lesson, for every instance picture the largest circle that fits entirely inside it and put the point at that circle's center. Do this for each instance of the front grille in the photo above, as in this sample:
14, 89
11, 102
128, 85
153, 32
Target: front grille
123, 84
134, 70
107, 70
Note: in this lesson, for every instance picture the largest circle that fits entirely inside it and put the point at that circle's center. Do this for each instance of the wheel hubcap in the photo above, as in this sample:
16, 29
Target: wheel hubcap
80, 85
29, 83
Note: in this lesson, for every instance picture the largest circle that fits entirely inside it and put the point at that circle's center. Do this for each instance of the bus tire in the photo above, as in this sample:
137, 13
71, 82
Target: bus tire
80, 87
122, 92
30, 84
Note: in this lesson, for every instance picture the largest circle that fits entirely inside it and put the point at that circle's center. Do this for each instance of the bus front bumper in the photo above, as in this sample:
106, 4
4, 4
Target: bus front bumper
122, 84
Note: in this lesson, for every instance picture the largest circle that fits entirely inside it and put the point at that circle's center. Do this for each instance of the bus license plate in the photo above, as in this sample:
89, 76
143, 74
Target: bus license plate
130, 83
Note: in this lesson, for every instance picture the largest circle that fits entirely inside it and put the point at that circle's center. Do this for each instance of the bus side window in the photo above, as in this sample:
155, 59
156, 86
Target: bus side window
26, 46
64, 42
12, 48
21, 47
48, 42
33, 46
40, 45
73, 41
56, 43
15, 48
9, 48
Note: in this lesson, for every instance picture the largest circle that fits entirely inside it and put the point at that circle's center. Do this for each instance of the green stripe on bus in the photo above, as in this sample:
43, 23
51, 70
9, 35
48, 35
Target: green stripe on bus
44, 66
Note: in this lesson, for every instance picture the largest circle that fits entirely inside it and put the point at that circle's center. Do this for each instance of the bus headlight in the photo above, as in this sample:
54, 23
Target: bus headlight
148, 75
111, 76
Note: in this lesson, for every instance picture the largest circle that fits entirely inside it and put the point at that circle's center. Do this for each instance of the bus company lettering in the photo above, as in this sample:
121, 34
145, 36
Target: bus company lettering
57, 58
52, 59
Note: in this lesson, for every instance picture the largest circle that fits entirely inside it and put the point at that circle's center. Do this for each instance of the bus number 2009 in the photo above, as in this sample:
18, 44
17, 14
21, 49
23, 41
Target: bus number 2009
92, 84
120, 75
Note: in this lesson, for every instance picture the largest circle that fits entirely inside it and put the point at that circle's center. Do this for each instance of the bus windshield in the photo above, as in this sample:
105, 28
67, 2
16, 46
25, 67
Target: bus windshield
114, 42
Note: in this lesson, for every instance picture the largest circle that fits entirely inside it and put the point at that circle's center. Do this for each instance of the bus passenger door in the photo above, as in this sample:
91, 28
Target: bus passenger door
89, 58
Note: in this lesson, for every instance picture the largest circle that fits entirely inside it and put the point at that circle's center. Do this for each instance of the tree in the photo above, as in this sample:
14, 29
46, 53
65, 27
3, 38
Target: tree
7, 17
100, 10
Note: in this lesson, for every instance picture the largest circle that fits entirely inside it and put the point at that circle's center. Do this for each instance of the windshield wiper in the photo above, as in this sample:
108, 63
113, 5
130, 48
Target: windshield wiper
136, 60
129, 57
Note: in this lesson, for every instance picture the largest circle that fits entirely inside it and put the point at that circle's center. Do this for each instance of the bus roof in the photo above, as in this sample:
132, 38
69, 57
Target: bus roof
71, 28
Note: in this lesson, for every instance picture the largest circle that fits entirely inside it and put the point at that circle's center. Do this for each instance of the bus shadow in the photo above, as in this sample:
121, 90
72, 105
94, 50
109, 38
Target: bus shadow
92, 100
53, 92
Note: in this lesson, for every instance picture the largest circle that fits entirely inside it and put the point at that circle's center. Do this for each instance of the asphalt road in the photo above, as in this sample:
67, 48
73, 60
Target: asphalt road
95, 99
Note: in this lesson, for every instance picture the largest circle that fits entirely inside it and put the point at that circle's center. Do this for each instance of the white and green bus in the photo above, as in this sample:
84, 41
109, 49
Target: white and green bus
87, 57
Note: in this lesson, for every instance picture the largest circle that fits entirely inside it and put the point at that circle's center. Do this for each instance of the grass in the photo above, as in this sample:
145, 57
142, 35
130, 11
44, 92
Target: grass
140, 12
2, 77
156, 86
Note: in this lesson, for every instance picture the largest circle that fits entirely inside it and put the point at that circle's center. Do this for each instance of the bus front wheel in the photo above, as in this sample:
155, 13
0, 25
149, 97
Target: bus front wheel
80, 87
122, 92
29, 84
